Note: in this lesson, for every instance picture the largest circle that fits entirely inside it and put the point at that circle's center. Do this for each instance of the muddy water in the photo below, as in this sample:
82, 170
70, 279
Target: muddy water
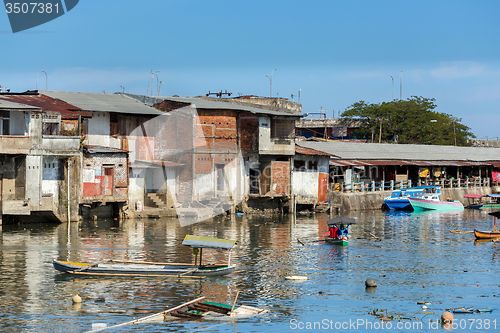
413, 257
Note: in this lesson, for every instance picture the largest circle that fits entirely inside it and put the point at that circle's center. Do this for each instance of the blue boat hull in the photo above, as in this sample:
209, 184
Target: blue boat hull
403, 204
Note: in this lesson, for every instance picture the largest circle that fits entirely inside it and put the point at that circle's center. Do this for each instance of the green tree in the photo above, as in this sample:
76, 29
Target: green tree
411, 121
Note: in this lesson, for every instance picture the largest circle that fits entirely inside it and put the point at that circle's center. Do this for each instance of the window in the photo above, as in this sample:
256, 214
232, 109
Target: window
299, 165
5, 122
114, 124
282, 128
312, 165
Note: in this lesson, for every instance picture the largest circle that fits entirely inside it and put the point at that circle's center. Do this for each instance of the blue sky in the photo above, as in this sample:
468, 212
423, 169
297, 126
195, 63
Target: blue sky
336, 52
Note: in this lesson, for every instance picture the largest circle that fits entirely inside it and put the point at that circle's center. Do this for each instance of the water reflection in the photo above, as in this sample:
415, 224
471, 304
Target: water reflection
412, 257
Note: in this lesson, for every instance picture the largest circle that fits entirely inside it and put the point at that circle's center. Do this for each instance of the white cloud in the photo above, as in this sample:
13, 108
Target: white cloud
458, 69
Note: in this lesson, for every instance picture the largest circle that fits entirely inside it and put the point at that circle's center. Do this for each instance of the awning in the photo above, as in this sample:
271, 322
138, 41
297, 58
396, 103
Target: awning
475, 196
208, 242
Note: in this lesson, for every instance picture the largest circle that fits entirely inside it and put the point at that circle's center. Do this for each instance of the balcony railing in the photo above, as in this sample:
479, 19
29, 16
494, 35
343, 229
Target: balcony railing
396, 185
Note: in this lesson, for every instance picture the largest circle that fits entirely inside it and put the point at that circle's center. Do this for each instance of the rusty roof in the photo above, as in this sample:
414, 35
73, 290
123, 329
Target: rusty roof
146, 163
101, 149
309, 151
46, 103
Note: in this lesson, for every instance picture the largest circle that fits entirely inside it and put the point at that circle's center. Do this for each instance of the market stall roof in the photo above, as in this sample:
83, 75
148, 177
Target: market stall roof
208, 242
406, 153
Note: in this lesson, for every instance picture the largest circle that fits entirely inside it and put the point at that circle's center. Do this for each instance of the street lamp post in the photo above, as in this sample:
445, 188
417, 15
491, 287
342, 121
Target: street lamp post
46, 80
271, 81
454, 129
392, 87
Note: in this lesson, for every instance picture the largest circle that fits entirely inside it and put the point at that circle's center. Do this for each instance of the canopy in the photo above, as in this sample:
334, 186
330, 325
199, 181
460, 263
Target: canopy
208, 242
495, 214
494, 195
475, 196
341, 219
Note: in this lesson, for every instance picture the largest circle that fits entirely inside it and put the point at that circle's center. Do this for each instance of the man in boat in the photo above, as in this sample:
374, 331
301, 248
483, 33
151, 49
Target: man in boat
333, 232
342, 231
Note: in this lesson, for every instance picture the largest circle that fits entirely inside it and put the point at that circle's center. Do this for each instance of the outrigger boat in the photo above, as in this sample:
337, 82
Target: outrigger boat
489, 234
196, 309
154, 269
338, 230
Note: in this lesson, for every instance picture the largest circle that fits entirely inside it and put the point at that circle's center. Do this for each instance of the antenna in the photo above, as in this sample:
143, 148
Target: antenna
299, 96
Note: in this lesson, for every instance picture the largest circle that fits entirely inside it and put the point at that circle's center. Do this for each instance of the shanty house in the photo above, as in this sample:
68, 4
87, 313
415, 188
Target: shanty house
46, 141
116, 137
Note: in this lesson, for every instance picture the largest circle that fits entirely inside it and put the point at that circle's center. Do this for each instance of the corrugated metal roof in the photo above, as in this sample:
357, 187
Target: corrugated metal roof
309, 151
101, 149
200, 103
376, 151
5, 104
103, 102
68, 111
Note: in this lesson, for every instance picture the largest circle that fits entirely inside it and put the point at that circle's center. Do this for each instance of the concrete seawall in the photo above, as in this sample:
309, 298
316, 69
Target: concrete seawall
375, 200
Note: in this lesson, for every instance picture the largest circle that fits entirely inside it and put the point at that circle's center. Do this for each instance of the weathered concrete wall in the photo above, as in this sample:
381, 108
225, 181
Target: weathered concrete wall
275, 103
305, 187
34, 180
61, 144
486, 143
136, 188
267, 145
98, 131
375, 200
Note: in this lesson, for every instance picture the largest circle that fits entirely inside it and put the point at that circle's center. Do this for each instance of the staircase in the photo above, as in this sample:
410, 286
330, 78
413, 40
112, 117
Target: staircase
156, 200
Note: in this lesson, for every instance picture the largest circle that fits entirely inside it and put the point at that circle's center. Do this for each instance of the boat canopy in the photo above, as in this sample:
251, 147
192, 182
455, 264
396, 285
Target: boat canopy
494, 195
495, 214
208, 242
341, 219
474, 196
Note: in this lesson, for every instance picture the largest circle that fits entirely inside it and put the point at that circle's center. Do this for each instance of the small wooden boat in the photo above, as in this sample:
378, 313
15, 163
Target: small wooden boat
486, 234
491, 201
196, 309
418, 203
338, 227
474, 201
154, 269
489, 234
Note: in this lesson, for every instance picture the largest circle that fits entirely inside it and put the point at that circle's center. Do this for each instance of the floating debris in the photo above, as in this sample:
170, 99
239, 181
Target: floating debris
470, 310
296, 277
462, 231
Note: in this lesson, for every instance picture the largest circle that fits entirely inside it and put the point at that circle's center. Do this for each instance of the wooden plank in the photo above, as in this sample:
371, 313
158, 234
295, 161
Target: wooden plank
156, 315
151, 263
